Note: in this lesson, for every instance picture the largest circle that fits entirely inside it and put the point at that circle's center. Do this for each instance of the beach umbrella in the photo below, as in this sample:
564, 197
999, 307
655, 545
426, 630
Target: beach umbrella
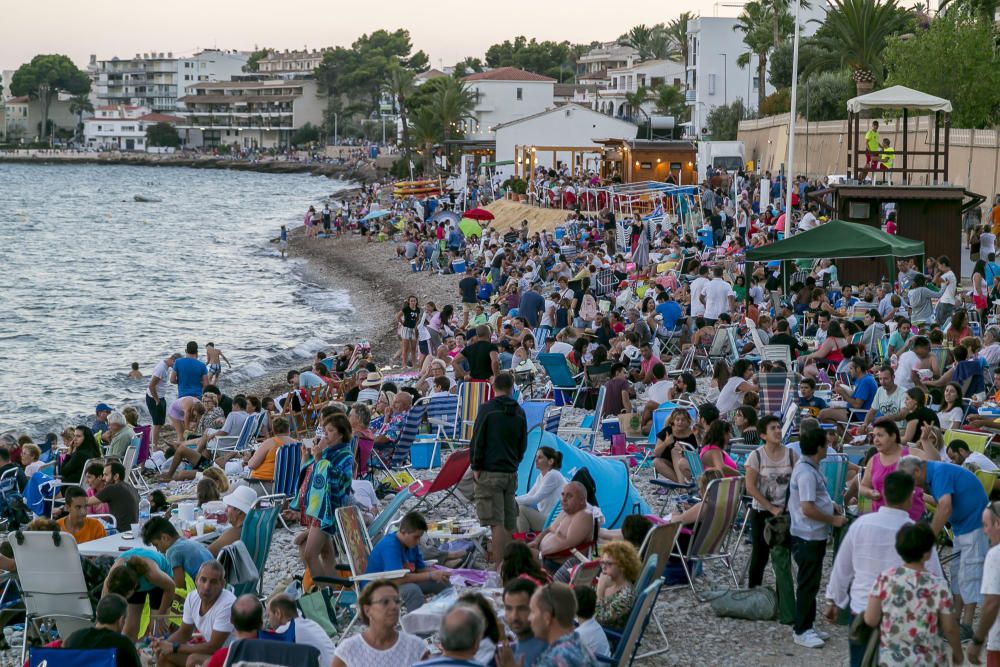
445, 216
372, 215
470, 228
478, 214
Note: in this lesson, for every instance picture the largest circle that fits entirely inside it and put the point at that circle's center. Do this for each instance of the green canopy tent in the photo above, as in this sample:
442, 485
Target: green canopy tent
838, 239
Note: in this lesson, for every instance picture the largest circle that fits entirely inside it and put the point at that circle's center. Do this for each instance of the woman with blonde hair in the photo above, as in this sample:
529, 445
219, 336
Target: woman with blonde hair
668, 453
620, 568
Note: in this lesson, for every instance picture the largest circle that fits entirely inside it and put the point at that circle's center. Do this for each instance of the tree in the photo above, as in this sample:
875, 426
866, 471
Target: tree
162, 134
307, 134
724, 120
635, 100
79, 105
253, 62
401, 86
652, 43
670, 101
426, 133
467, 66
967, 70
677, 31
983, 9
779, 67
552, 59
855, 35
780, 101
824, 95
44, 78
756, 22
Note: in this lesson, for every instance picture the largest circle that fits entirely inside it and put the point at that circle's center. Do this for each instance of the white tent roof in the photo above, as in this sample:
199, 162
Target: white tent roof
898, 97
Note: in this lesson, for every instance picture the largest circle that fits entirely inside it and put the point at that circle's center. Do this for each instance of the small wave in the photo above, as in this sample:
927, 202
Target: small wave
254, 369
309, 347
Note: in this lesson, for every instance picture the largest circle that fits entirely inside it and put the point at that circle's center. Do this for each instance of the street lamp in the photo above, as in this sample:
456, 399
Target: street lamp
791, 123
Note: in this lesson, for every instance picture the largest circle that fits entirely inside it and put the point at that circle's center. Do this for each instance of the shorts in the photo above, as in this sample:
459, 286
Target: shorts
203, 464
967, 569
424, 346
406, 333
872, 160
158, 410
154, 595
494, 499
175, 411
215, 369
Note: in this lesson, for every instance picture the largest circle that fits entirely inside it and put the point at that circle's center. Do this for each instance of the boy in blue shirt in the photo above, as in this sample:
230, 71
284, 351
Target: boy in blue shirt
400, 551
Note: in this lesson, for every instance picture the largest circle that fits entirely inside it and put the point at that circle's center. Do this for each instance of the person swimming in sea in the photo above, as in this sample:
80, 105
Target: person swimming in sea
214, 362
135, 373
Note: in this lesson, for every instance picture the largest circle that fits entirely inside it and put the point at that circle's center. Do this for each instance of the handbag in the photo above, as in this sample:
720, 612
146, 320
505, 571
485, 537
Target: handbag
777, 529
860, 633
753, 604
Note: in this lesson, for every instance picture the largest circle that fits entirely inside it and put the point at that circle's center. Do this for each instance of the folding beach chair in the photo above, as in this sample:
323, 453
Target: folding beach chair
400, 455
52, 583
447, 480
257, 534
442, 416
272, 653
976, 440
471, 394
781, 353
551, 419
834, 470
711, 533
644, 583
683, 364
562, 379
240, 442
356, 545
722, 347
541, 335
41, 656
775, 389
386, 517
590, 427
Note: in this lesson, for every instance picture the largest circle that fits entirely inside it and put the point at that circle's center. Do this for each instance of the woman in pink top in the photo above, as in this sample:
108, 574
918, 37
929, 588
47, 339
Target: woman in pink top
712, 454
890, 450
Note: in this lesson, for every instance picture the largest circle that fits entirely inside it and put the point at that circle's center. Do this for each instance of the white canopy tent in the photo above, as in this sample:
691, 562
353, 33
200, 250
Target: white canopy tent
898, 97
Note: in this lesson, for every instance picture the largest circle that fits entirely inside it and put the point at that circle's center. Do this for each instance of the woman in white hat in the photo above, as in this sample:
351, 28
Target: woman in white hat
238, 504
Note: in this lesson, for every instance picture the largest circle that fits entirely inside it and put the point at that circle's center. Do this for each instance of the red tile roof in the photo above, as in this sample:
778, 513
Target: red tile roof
507, 74
18, 100
160, 118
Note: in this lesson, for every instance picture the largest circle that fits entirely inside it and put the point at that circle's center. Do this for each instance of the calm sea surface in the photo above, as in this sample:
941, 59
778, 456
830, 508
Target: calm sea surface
92, 281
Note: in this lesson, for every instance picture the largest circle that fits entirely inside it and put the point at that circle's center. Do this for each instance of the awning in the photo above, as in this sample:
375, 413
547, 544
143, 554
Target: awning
838, 239
898, 97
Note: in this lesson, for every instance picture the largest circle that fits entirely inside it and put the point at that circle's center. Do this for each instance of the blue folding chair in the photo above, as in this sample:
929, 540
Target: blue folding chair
40, 656
563, 381
257, 534
400, 455
385, 518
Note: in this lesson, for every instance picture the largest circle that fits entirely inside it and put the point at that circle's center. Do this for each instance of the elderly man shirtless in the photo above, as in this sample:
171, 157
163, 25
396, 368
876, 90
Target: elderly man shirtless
572, 528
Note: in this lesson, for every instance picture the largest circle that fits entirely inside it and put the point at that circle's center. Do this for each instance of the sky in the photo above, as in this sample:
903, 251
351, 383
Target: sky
448, 30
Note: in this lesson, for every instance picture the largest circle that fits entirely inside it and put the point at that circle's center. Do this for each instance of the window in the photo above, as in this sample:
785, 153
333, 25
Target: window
711, 84
756, 82
520, 93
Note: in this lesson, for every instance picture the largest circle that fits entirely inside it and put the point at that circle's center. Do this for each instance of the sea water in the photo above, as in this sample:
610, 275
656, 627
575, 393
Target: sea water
93, 280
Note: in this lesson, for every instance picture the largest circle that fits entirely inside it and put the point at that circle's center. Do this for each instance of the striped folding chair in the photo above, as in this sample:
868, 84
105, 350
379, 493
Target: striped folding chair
442, 415
551, 419
774, 391
400, 456
257, 534
471, 394
711, 532
287, 465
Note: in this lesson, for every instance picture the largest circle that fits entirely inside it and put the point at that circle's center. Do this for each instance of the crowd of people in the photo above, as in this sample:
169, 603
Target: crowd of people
644, 311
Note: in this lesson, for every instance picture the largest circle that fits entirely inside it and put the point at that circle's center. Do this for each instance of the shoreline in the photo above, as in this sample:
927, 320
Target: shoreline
378, 284
364, 173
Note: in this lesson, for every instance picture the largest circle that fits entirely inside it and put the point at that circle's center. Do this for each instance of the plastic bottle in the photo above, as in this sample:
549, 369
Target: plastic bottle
144, 509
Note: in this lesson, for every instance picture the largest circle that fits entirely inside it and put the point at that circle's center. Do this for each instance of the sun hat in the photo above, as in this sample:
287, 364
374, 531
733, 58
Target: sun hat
241, 498
374, 379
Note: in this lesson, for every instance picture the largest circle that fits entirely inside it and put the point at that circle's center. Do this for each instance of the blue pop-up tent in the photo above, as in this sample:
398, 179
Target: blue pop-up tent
616, 495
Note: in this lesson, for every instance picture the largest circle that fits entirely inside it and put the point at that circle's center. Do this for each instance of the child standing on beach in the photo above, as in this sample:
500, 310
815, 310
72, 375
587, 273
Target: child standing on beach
215, 359
283, 241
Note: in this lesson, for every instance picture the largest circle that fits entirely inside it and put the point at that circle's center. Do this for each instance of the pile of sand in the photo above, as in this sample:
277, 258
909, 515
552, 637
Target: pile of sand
510, 214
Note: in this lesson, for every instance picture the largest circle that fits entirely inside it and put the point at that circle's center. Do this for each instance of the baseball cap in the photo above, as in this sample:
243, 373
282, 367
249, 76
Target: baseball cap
103, 407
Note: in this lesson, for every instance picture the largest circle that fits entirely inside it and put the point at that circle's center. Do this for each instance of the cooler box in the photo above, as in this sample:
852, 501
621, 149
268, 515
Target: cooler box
706, 237
559, 233
458, 266
610, 427
420, 452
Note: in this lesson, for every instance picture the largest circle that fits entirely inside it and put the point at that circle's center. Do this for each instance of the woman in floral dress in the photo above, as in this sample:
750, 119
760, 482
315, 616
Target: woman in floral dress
911, 605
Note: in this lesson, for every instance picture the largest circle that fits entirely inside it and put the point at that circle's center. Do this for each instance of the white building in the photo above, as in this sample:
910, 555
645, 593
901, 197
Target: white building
249, 114
593, 66
158, 80
713, 77
569, 125
15, 116
22, 117
291, 63
122, 127
504, 95
622, 81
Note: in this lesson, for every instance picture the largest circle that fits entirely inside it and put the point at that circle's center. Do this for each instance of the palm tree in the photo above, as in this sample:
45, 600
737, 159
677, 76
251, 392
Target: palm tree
79, 105
855, 35
426, 133
652, 43
636, 100
451, 104
401, 86
756, 22
677, 31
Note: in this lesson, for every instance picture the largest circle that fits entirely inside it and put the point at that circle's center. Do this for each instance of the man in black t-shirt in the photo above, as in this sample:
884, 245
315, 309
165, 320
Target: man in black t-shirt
107, 633
468, 288
608, 218
121, 497
482, 355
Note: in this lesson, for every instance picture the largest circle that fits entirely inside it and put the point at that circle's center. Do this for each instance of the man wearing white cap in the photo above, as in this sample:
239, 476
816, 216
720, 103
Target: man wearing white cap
238, 504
